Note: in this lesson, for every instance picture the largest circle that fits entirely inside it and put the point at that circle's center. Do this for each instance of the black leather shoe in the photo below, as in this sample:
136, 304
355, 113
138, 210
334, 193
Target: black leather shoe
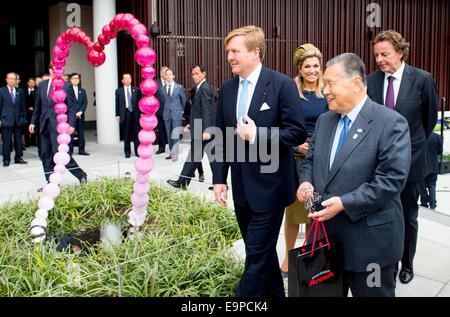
169, 157
83, 153
406, 275
83, 180
127, 155
201, 178
20, 161
5, 163
175, 184
160, 152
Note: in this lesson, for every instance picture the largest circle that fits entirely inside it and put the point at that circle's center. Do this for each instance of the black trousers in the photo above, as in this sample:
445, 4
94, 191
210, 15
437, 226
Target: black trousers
371, 284
30, 138
79, 126
193, 162
7, 134
161, 134
428, 191
49, 146
409, 197
130, 126
262, 275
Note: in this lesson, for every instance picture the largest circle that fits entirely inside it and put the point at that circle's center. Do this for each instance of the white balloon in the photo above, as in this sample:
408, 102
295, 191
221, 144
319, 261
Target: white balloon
56, 178
39, 222
46, 203
37, 231
40, 213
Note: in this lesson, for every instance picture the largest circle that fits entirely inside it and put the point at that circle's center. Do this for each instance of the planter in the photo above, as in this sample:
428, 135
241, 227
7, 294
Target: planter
444, 167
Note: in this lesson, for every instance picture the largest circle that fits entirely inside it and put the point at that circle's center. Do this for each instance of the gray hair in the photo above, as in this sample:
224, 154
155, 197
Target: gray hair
352, 65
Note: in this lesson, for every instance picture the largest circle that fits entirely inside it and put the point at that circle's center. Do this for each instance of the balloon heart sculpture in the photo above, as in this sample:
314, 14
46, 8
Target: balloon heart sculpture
145, 57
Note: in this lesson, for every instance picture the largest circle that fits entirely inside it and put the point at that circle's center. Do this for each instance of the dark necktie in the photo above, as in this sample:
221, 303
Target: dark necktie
390, 100
169, 93
13, 96
130, 107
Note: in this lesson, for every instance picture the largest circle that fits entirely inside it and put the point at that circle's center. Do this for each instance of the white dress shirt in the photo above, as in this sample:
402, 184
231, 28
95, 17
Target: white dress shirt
352, 115
397, 81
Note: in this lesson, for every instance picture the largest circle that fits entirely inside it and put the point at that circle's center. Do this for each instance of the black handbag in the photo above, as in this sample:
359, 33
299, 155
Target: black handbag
315, 269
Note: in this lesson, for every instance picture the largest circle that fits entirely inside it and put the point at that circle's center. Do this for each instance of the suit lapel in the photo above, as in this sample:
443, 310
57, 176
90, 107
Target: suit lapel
259, 94
359, 130
379, 85
232, 100
405, 86
329, 136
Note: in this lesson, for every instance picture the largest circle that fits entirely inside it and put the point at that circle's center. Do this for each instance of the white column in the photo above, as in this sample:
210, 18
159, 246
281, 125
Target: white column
106, 77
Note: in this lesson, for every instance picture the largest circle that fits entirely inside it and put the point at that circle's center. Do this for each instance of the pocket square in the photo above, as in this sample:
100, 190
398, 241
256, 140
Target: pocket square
265, 106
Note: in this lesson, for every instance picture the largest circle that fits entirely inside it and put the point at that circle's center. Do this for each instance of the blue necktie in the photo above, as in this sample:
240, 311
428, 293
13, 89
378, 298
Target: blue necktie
242, 107
13, 96
344, 133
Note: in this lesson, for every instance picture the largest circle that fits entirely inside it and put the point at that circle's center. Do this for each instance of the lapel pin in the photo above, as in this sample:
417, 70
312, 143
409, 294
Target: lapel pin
355, 136
360, 131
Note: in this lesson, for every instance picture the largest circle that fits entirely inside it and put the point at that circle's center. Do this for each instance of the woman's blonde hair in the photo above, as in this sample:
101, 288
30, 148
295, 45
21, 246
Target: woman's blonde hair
302, 53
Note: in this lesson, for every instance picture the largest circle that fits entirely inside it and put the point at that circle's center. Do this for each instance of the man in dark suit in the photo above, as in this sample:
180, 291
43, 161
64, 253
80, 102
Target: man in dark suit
30, 139
258, 108
358, 161
79, 96
45, 114
428, 185
174, 102
128, 113
12, 119
200, 119
161, 134
412, 93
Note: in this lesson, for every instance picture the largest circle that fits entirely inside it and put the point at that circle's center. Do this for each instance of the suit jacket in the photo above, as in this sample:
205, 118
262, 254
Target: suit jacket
80, 103
44, 111
202, 108
263, 191
121, 105
12, 113
174, 105
417, 101
368, 174
434, 148
159, 94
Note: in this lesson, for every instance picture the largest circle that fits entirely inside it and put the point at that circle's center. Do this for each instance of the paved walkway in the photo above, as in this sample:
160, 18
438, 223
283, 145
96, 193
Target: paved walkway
432, 261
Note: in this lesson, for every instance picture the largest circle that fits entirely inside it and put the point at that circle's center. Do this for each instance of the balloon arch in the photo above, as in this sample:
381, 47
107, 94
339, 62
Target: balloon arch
144, 56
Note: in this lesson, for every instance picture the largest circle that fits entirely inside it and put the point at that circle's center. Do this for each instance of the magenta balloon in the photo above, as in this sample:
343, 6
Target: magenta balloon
140, 200
58, 72
63, 45
117, 20
148, 72
63, 138
142, 40
60, 53
102, 40
144, 166
61, 158
141, 189
58, 96
132, 23
147, 137
74, 31
142, 178
96, 58
138, 29
145, 150
145, 56
61, 117
64, 148
125, 21
58, 82
99, 47
60, 168
60, 108
56, 178
149, 87
63, 127
58, 63
149, 105
108, 33
148, 122
51, 190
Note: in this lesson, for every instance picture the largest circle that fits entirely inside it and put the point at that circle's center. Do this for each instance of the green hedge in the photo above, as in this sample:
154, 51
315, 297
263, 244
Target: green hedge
185, 250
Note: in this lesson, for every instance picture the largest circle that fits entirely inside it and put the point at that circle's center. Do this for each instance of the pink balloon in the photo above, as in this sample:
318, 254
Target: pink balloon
63, 45
108, 33
138, 29
61, 118
140, 213
59, 63
141, 189
144, 166
142, 40
58, 96
74, 31
145, 56
99, 47
51, 190
102, 40
58, 82
63, 127
60, 168
60, 53
117, 20
63, 148
132, 23
58, 72
142, 178
139, 200
96, 58
149, 105
127, 17
148, 72
46, 203
60, 108
63, 139
149, 87
56, 178
148, 122
145, 151
61, 158
147, 137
